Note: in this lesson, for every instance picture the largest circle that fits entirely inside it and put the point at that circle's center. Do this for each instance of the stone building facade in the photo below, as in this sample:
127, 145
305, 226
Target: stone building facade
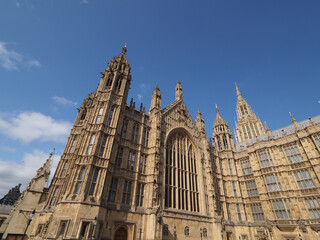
21, 215
129, 174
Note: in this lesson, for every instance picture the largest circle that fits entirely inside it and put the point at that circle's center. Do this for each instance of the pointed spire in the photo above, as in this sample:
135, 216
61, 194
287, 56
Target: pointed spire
200, 122
124, 49
240, 99
219, 120
268, 130
292, 118
179, 91
294, 121
45, 169
156, 99
237, 89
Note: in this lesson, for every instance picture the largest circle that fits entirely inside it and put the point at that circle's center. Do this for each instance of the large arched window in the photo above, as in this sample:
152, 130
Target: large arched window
181, 190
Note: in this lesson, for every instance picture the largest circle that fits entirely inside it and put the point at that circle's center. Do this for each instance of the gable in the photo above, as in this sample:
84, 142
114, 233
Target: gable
176, 115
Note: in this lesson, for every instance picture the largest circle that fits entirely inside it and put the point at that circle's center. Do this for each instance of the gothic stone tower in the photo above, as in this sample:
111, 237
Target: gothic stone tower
128, 174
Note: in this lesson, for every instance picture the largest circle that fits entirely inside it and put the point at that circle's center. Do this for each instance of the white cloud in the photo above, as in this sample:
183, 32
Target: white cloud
33, 63
63, 101
30, 126
84, 2
143, 86
18, 4
8, 149
11, 60
13, 173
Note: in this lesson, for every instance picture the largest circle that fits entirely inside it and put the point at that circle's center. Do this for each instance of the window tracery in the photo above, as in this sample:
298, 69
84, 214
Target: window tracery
181, 191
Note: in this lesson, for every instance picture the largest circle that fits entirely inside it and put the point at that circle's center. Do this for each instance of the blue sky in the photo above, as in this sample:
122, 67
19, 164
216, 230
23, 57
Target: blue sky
51, 53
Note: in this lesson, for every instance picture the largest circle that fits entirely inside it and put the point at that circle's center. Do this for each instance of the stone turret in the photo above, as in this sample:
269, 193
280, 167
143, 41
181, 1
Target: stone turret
155, 99
221, 134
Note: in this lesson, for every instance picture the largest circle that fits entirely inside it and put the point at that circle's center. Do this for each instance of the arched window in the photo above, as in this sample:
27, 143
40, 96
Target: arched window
64, 169
225, 142
205, 232
186, 231
94, 181
72, 145
99, 115
109, 81
124, 129
165, 230
83, 115
118, 83
181, 178
110, 115
54, 196
135, 133
79, 181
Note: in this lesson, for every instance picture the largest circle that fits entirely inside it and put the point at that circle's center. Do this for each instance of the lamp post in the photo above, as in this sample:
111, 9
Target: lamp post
174, 232
29, 221
201, 233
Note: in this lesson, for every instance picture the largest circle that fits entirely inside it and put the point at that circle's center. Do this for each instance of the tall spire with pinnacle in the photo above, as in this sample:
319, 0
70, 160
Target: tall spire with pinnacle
237, 89
116, 77
248, 125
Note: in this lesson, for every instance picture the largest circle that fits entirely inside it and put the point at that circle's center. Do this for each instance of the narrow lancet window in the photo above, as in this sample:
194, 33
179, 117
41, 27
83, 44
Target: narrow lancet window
110, 116
99, 115
79, 181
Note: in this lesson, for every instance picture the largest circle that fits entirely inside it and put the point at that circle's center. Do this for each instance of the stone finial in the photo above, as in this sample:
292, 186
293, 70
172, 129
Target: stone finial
294, 122
268, 130
124, 49
179, 95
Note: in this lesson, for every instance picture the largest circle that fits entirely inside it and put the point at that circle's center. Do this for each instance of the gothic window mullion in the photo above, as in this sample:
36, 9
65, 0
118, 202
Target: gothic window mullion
178, 152
176, 164
175, 177
172, 153
190, 179
196, 182
169, 176
184, 173
187, 174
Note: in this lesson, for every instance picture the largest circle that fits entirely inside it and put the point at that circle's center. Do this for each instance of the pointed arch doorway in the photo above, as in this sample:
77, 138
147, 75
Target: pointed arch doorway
121, 234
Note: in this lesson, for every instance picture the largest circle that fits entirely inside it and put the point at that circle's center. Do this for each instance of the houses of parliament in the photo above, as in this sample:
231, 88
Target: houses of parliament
128, 173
